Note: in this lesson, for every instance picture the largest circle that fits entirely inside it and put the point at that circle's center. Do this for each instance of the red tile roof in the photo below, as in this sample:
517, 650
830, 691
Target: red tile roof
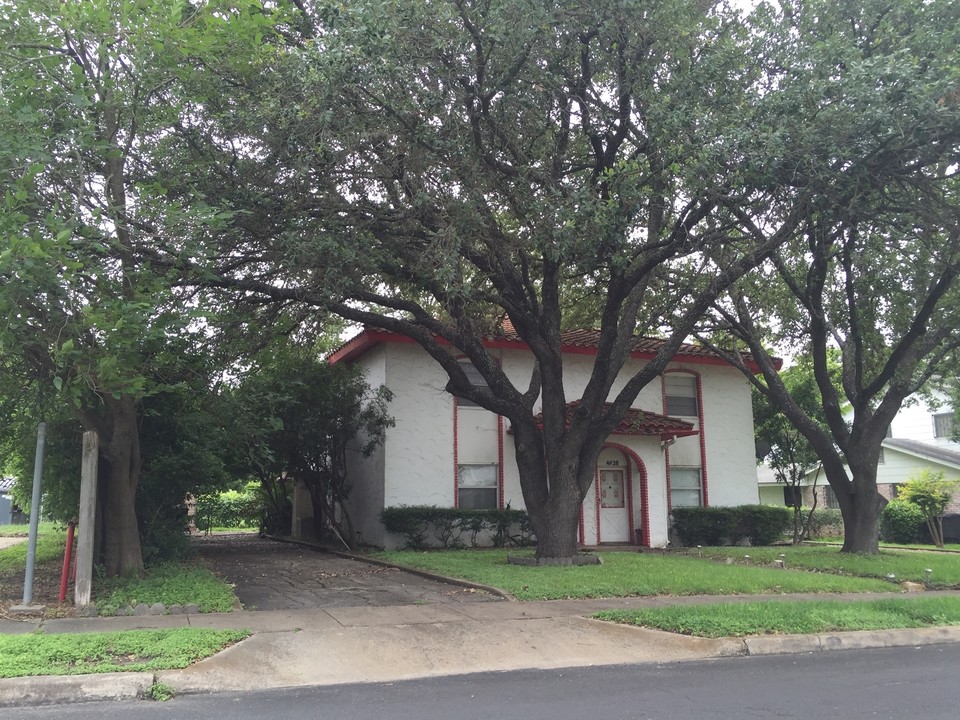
583, 342
639, 422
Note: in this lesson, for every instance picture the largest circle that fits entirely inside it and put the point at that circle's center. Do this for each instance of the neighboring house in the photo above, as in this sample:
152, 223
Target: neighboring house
689, 440
918, 439
9, 512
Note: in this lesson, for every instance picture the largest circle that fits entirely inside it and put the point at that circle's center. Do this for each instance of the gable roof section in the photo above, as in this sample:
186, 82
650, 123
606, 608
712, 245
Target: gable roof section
926, 451
578, 342
638, 422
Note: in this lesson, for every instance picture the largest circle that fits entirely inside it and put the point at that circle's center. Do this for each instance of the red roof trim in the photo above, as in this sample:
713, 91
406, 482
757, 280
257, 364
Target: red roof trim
370, 337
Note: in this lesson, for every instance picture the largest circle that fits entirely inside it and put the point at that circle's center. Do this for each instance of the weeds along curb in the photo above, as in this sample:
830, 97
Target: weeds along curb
383, 563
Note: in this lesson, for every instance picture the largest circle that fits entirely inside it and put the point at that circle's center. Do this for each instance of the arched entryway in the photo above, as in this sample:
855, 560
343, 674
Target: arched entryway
614, 507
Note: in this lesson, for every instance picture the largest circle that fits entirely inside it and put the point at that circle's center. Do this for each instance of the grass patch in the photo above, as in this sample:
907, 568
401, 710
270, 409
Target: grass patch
903, 564
764, 618
170, 584
24, 530
133, 651
50, 546
624, 574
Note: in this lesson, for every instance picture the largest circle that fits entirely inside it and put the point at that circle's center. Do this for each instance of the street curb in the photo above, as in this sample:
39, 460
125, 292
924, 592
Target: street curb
383, 563
60, 689
851, 640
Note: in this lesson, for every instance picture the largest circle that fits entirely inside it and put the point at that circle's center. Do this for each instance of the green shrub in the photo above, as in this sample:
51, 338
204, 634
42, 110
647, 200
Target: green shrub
764, 524
230, 509
761, 524
902, 522
705, 525
447, 525
824, 522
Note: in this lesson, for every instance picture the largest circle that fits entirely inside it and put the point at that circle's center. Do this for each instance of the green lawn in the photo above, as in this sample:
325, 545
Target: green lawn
172, 583
134, 650
627, 573
24, 530
50, 546
764, 618
903, 564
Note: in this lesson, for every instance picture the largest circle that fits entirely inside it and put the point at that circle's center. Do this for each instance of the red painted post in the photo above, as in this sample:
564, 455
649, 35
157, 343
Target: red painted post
67, 557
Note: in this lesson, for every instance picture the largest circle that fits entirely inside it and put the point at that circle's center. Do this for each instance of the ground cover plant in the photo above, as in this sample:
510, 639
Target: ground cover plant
909, 565
792, 617
132, 651
627, 573
169, 583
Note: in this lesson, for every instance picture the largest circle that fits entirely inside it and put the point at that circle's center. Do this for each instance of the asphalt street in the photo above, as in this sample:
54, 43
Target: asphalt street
876, 684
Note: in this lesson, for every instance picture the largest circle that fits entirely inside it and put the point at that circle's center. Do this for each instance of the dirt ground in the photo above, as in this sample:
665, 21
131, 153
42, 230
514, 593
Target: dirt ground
46, 587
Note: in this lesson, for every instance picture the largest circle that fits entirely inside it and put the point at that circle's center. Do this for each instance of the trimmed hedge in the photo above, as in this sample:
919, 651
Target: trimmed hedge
429, 525
229, 509
760, 524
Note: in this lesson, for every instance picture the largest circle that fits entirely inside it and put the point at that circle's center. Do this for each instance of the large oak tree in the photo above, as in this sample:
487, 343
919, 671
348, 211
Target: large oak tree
431, 168
874, 140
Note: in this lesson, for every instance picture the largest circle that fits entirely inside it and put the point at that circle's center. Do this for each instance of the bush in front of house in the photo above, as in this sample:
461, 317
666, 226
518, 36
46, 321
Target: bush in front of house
760, 524
902, 522
428, 525
764, 524
825, 522
705, 525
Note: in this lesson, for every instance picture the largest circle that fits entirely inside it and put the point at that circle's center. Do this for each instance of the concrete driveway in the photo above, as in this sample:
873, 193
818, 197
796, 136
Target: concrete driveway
270, 575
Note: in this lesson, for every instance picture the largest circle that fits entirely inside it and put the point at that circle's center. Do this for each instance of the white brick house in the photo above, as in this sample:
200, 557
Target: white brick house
693, 444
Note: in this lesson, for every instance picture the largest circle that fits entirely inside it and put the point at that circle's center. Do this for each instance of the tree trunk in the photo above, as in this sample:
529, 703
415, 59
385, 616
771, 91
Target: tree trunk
860, 507
120, 452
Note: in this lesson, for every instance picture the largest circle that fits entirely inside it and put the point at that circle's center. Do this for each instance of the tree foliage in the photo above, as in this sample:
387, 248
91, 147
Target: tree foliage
872, 137
432, 168
303, 419
929, 491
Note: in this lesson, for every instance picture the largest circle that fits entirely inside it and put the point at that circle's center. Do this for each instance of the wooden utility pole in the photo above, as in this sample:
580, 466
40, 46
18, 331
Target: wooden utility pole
87, 518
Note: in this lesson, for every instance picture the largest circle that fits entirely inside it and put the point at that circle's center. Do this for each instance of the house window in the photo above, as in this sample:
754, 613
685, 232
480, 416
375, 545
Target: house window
792, 496
830, 497
881, 459
476, 380
686, 489
943, 425
681, 394
477, 487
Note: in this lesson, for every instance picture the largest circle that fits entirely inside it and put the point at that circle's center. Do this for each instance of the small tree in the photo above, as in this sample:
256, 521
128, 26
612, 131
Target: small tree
300, 420
931, 493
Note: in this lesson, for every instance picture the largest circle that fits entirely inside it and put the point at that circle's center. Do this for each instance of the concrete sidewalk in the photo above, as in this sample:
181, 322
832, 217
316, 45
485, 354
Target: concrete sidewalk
381, 644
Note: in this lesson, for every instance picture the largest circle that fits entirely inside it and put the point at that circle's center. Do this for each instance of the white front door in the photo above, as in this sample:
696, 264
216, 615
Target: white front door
614, 510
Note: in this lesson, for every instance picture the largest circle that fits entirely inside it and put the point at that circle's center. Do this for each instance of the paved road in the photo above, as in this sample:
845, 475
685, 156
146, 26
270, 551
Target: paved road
875, 684
271, 575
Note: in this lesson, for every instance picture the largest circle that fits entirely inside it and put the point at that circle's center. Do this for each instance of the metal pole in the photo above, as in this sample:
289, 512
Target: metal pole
34, 515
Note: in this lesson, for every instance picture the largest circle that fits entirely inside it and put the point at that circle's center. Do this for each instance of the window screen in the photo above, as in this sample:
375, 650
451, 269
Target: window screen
681, 393
942, 425
685, 487
476, 380
477, 487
